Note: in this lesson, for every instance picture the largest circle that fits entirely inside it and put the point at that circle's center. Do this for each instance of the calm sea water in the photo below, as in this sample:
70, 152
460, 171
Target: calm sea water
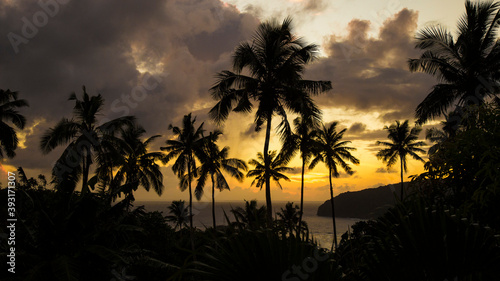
320, 227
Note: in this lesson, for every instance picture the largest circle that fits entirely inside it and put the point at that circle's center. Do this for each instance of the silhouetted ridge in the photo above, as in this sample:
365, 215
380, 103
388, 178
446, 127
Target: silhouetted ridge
364, 204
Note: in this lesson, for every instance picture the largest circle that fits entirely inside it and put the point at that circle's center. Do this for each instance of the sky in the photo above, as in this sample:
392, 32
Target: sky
157, 59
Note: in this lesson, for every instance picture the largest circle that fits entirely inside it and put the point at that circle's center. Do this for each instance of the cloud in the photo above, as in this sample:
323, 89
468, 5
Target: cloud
154, 60
383, 170
249, 132
357, 127
336, 188
314, 5
371, 73
295, 171
368, 135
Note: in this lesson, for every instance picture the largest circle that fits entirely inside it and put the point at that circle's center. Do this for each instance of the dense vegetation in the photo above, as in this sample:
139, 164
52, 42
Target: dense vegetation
446, 228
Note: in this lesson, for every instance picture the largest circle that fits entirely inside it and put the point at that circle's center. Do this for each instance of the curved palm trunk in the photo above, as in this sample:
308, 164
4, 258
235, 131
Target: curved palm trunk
213, 201
301, 198
333, 212
191, 210
267, 162
401, 160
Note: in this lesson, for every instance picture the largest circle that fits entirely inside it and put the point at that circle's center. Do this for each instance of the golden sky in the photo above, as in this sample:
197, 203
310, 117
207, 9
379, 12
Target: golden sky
182, 44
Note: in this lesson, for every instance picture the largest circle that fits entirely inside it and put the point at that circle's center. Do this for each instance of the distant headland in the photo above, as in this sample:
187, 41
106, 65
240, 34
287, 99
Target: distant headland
364, 204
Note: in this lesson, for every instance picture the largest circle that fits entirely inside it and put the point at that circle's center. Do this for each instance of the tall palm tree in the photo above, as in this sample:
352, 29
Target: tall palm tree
404, 142
85, 138
275, 62
333, 152
304, 141
185, 149
467, 67
178, 214
276, 169
134, 166
213, 164
8, 113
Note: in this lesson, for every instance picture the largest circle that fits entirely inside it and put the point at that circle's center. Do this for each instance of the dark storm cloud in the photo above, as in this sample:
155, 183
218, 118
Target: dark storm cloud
152, 59
371, 73
357, 127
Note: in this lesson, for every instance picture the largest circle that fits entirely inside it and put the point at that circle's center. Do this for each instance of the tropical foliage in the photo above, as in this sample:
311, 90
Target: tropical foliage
447, 228
467, 67
86, 141
302, 140
275, 62
179, 214
133, 166
275, 170
213, 164
333, 152
9, 104
404, 142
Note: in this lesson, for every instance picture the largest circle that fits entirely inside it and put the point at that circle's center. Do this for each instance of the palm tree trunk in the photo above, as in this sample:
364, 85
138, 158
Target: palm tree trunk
191, 210
213, 201
267, 163
86, 168
333, 212
401, 160
301, 198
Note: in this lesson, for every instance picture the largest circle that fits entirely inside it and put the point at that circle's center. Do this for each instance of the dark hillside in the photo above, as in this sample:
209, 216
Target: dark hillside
363, 204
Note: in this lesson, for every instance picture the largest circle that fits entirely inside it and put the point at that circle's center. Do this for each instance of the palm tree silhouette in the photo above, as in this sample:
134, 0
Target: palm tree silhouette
304, 141
289, 219
334, 152
135, 165
185, 149
404, 142
8, 113
250, 216
275, 62
467, 67
449, 129
85, 137
277, 167
178, 214
213, 164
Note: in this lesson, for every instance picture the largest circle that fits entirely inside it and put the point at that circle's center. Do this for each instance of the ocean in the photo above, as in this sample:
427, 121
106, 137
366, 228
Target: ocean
320, 227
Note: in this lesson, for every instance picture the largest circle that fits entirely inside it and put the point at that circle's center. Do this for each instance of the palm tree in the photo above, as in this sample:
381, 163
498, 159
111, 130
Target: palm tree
8, 113
185, 149
289, 219
449, 129
404, 142
467, 68
334, 152
275, 63
178, 214
250, 216
30, 183
276, 169
85, 138
135, 165
304, 141
213, 164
